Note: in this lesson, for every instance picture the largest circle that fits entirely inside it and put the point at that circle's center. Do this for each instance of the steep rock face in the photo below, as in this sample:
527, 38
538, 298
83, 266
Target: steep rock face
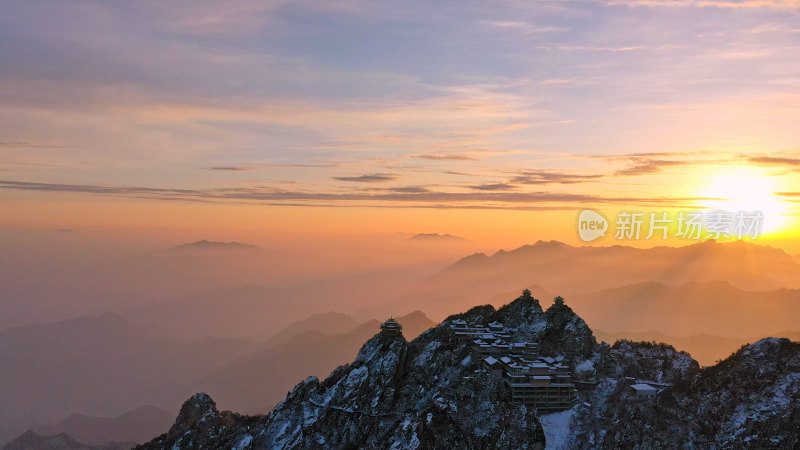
559, 331
199, 424
749, 400
433, 393
429, 393
651, 361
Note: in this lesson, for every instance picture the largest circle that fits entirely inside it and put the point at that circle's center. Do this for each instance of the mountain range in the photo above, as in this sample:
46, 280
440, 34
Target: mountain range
431, 393
241, 383
570, 270
133, 426
222, 341
110, 363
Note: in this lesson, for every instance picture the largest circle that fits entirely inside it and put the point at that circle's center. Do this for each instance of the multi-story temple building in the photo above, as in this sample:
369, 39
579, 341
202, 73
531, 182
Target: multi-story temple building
542, 382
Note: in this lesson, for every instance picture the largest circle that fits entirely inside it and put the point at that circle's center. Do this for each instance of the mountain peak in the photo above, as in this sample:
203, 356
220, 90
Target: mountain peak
521, 310
206, 246
436, 237
198, 408
551, 243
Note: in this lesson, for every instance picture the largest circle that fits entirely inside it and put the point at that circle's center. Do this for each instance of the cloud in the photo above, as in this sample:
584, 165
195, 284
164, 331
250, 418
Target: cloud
647, 166
552, 177
409, 189
421, 198
775, 160
231, 168
494, 187
524, 27
373, 178
558, 81
774, 27
590, 48
741, 4
28, 145
648, 163
319, 164
441, 157
792, 196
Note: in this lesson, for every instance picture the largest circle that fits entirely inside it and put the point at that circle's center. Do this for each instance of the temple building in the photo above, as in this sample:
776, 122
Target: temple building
542, 382
391, 330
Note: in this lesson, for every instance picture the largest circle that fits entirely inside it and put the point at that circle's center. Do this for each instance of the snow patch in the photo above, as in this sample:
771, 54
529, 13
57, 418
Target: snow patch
557, 428
584, 366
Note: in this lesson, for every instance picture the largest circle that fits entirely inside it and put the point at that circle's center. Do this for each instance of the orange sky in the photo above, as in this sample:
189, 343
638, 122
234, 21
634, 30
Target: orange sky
497, 123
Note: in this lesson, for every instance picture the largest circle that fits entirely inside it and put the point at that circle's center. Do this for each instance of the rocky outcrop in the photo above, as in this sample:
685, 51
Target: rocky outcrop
200, 425
429, 393
432, 393
749, 400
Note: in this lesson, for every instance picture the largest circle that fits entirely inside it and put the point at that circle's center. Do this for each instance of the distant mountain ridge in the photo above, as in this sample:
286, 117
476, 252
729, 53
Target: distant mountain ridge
574, 271
31, 440
211, 246
705, 348
121, 363
737, 262
713, 307
329, 323
430, 237
240, 383
136, 426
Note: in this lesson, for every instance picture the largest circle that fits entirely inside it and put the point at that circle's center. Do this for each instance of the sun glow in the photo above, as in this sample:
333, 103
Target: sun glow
745, 189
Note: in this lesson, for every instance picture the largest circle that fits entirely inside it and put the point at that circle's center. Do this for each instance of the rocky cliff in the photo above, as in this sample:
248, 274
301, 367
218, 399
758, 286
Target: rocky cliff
432, 393
395, 394
749, 400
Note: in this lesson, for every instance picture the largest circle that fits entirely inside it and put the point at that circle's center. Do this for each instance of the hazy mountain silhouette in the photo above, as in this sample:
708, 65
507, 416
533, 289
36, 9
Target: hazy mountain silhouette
206, 247
715, 308
328, 323
247, 311
558, 267
436, 237
259, 312
99, 366
31, 440
744, 264
137, 426
256, 382
705, 348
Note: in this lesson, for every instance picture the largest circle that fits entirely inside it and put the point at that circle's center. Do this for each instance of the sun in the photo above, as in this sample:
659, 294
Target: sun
746, 189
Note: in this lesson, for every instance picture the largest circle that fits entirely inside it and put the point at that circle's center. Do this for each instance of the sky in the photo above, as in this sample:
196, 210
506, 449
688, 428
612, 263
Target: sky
497, 121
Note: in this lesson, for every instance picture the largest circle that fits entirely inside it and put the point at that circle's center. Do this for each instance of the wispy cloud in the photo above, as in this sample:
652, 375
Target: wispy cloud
422, 198
231, 168
552, 177
28, 145
775, 160
371, 178
409, 189
494, 187
441, 157
525, 27
741, 4
340, 122
640, 166
592, 48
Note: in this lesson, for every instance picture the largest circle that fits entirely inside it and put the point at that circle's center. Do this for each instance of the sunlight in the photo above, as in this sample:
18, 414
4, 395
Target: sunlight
746, 189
